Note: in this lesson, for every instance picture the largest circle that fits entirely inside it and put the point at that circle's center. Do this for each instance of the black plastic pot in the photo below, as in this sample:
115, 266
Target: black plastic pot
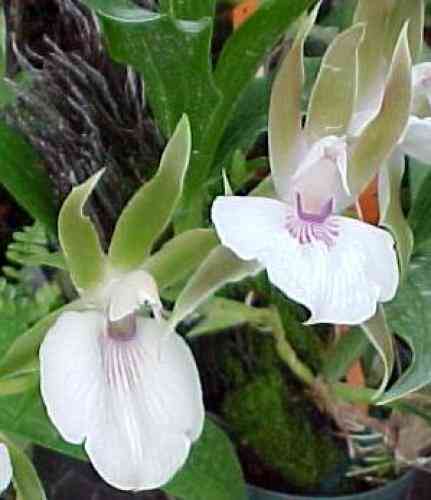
395, 490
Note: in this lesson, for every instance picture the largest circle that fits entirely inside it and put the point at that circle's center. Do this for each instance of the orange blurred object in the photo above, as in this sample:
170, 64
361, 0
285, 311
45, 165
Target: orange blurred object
369, 204
243, 11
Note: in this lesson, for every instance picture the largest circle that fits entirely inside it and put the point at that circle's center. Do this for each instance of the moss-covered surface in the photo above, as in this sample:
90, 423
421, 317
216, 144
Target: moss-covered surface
269, 419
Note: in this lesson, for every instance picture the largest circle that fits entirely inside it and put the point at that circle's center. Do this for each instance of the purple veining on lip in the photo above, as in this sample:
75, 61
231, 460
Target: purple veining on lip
308, 227
319, 218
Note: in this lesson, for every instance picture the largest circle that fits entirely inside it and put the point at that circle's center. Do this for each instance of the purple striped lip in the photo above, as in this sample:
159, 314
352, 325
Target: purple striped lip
309, 227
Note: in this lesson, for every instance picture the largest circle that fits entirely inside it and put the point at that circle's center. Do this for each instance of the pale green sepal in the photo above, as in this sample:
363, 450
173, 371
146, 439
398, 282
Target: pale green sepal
372, 65
334, 94
221, 267
378, 333
150, 210
381, 135
78, 237
220, 314
21, 358
391, 212
285, 117
25, 479
412, 11
180, 256
228, 191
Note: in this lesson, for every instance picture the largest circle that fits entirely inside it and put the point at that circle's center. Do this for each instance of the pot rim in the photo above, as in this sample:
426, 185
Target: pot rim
406, 477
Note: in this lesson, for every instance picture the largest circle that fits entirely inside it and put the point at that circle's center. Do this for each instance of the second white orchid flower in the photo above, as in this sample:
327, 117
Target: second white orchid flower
339, 268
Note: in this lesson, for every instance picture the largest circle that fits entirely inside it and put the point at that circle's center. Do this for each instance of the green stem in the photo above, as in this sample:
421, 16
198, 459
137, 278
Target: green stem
286, 351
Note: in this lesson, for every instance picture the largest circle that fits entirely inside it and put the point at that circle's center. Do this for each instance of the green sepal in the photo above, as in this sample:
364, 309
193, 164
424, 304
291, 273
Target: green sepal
25, 479
79, 240
391, 211
150, 210
381, 135
220, 268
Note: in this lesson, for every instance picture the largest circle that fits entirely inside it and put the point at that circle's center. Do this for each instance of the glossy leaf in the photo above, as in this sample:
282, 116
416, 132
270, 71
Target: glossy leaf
180, 256
285, 117
218, 269
381, 135
25, 479
337, 77
391, 211
188, 9
21, 174
150, 210
420, 215
212, 471
79, 240
380, 336
409, 316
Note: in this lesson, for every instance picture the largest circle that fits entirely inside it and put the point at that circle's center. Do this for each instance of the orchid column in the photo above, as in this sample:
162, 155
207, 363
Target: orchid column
114, 374
338, 267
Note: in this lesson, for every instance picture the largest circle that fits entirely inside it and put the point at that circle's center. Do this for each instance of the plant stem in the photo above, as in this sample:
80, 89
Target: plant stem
286, 351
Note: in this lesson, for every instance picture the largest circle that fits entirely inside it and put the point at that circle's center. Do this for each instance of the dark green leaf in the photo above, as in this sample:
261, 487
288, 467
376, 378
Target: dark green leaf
212, 471
420, 215
22, 176
409, 315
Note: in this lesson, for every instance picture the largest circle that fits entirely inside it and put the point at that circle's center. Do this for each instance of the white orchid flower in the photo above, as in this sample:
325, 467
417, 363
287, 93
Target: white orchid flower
5, 468
115, 377
339, 268
125, 385
416, 141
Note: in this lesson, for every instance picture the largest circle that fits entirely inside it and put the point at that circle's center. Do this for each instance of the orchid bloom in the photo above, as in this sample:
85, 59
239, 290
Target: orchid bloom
416, 141
5, 468
124, 384
114, 374
338, 267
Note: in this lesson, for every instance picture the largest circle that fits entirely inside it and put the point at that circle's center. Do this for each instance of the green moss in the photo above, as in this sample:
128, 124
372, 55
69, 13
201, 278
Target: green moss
271, 420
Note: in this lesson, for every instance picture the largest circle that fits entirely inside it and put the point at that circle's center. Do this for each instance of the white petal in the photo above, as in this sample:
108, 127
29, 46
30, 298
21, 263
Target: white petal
341, 284
70, 365
138, 405
5, 468
416, 141
246, 224
129, 292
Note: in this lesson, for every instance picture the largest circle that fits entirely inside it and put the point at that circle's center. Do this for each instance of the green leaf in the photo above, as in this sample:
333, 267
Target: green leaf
174, 58
418, 173
220, 314
409, 316
285, 116
188, 9
150, 210
378, 333
212, 471
218, 269
180, 256
381, 135
21, 174
84, 255
391, 211
249, 120
337, 77
25, 479
419, 217
22, 355
341, 357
